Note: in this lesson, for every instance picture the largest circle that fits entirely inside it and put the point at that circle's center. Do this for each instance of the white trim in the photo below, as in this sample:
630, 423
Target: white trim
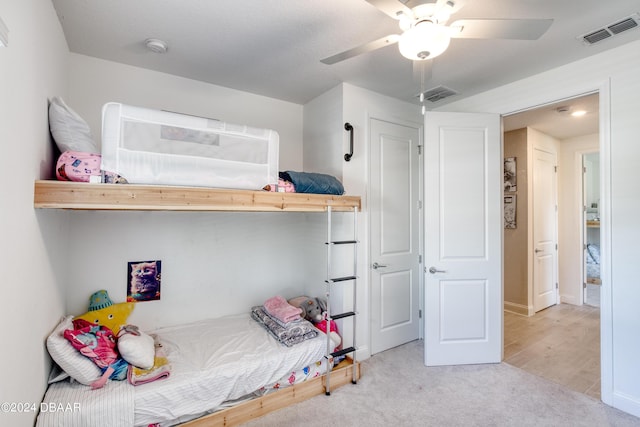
4, 34
520, 309
606, 313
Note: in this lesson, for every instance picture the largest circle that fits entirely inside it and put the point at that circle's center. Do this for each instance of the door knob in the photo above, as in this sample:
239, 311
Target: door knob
434, 270
538, 250
377, 266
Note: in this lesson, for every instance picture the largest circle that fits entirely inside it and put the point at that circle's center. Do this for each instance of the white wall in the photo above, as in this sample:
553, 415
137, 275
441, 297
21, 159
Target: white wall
213, 263
615, 74
33, 68
323, 133
570, 225
97, 81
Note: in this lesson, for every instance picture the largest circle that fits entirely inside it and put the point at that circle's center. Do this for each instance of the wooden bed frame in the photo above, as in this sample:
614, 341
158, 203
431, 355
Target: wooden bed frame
256, 408
49, 194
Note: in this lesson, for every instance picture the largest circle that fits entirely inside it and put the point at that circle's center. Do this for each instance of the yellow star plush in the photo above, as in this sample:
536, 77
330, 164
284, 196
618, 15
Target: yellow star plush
102, 311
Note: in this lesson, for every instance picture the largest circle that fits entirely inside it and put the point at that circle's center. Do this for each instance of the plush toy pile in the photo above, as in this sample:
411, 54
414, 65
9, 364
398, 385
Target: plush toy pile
114, 349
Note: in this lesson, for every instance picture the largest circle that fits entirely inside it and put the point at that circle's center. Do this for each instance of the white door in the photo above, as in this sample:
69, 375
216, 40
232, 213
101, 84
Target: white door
544, 230
463, 238
394, 234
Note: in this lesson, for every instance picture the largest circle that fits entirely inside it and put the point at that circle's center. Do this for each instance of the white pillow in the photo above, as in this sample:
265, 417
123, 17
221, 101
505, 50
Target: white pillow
74, 363
69, 130
139, 350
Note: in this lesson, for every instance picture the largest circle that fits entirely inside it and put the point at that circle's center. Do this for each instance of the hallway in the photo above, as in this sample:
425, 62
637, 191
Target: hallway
560, 343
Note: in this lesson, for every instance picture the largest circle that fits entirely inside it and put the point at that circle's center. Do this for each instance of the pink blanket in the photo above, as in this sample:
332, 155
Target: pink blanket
279, 308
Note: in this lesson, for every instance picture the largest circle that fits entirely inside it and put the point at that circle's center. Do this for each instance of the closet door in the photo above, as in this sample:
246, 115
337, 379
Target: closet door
395, 234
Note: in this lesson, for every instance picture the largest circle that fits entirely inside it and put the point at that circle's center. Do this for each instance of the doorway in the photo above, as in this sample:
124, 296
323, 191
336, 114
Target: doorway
525, 348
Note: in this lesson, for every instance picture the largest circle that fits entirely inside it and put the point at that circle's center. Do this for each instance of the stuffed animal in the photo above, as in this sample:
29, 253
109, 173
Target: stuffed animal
102, 311
313, 310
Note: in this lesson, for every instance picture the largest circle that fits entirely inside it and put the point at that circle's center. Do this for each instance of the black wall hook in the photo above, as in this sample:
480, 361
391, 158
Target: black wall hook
349, 128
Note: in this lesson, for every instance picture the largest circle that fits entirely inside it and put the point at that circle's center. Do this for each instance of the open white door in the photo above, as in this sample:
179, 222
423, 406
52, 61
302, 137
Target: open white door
463, 238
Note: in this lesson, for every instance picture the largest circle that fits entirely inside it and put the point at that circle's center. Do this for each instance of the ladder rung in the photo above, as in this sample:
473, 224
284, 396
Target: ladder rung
343, 351
341, 279
343, 315
342, 242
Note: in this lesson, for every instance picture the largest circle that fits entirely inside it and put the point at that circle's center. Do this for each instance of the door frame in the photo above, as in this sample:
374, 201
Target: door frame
517, 105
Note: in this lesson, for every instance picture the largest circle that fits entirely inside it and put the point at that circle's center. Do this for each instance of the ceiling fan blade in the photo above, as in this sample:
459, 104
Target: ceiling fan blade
519, 29
368, 47
393, 8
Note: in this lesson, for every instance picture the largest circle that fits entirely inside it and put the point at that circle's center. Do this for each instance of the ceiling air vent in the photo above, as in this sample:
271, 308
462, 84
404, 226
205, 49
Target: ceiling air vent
610, 30
438, 93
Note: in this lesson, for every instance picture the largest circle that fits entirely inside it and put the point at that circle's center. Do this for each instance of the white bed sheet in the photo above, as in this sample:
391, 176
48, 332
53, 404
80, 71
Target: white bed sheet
71, 404
216, 360
212, 361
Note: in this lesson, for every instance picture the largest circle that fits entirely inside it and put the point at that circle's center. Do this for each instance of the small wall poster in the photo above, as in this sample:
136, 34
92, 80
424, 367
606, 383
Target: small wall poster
143, 280
510, 211
510, 174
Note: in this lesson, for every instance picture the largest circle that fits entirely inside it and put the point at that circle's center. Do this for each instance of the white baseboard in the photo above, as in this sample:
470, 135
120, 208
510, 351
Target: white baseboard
570, 299
523, 310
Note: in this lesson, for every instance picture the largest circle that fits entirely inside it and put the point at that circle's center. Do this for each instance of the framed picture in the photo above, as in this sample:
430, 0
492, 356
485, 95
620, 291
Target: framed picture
510, 172
143, 280
510, 211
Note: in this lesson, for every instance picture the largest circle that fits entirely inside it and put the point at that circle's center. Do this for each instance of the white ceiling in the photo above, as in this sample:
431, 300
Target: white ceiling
555, 119
274, 47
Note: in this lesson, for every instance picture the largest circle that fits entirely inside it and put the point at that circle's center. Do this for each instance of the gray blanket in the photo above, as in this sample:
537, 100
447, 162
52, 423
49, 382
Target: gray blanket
288, 334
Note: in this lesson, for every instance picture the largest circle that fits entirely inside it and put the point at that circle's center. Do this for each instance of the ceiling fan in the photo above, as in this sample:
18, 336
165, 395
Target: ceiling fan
426, 36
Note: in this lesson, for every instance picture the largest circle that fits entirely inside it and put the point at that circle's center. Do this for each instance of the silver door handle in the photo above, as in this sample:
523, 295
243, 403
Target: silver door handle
434, 270
377, 266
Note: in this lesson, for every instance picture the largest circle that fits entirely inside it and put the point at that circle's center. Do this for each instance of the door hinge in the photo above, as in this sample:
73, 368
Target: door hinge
420, 314
556, 285
419, 204
584, 170
555, 169
419, 259
419, 150
556, 246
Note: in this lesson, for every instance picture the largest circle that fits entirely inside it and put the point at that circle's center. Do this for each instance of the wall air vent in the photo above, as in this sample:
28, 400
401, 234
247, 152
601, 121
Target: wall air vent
611, 30
438, 93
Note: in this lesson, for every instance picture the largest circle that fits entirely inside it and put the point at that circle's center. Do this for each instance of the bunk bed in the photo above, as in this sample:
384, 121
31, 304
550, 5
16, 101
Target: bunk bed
247, 405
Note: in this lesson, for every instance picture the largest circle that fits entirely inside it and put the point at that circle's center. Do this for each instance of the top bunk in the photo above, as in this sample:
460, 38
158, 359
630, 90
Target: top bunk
51, 194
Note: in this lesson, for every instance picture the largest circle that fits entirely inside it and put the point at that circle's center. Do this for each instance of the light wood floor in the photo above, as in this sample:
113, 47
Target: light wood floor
560, 343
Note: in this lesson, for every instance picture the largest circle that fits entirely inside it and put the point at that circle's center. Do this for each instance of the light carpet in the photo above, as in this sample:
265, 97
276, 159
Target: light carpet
396, 389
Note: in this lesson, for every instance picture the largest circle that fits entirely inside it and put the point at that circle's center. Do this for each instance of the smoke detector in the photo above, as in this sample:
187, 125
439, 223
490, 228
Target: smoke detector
156, 45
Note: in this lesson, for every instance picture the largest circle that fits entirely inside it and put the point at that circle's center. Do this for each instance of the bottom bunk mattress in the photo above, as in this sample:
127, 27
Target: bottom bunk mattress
214, 363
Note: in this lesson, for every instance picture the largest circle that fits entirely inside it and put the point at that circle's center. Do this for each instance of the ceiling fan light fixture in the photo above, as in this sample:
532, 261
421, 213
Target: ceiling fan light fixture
425, 40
